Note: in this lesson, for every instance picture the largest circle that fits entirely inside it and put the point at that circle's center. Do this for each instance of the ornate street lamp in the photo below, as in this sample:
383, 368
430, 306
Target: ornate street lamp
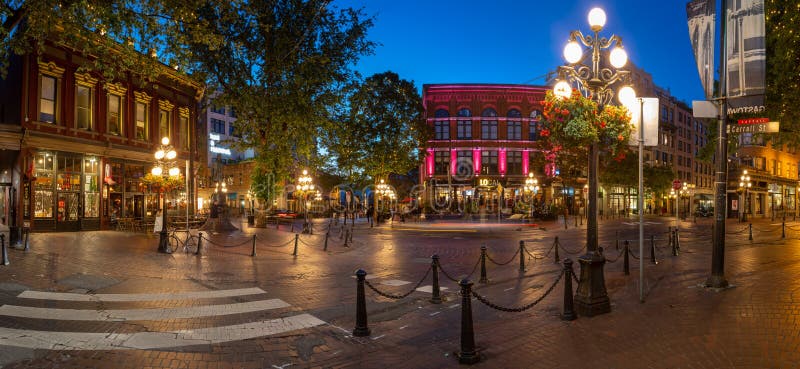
744, 186
305, 186
597, 78
165, 169
532, 188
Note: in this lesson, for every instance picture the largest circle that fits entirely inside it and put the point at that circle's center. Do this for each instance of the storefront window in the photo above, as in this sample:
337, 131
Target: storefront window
133, 178
91, 193
69, 173
44, 166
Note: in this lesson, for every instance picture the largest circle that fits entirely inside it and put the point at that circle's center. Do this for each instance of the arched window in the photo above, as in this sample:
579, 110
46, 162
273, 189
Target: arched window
489, 124
464, 124
441, 126
533, 125
514, 125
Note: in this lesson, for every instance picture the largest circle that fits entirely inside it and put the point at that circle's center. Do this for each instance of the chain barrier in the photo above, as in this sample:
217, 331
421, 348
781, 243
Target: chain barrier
304, 243
765, 230
741, 231
549, 251
619, 254
488, 303
630, 252
574, 276
249, 240
501, 264
397, 297
467, 277
572, 252
534, 257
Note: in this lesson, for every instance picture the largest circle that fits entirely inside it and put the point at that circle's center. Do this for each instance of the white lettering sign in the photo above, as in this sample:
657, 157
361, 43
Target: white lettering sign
219, 150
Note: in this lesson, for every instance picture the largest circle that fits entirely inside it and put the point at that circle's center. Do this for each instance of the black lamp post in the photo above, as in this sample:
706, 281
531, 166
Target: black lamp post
596, 78
305, 186
164, 167
744, 185
531, 187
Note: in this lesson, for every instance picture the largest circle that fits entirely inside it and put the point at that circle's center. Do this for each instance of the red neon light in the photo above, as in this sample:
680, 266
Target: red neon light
525, 162
501, 157
476, 160
453, 164
429, 162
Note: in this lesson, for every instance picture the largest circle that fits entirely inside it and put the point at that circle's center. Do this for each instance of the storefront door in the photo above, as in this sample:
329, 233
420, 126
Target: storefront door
67, 210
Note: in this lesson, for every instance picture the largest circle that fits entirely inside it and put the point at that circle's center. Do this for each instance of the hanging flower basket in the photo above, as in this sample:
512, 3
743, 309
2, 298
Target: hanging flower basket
575, 122
165, 184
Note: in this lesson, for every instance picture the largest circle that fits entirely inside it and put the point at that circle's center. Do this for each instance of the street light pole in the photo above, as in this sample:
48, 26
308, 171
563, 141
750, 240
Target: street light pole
744, 184
164, 167
592, 297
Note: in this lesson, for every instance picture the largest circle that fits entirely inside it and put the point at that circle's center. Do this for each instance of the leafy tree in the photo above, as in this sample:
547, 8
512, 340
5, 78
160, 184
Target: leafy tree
783, 67
283, 68
386, 114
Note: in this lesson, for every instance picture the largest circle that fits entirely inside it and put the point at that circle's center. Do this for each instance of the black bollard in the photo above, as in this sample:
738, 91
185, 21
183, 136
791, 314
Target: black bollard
199, 244
626, 265
292, 227
361, 329
556, 245
783, 230
325, 248
750, 226
569, 310
436, 297
346, 236
653, 249
27, 235
522, 256
669, 233
468, 354
483, 265
254, 246
675, 245
616, 240
677, 240
296, 238
5, 250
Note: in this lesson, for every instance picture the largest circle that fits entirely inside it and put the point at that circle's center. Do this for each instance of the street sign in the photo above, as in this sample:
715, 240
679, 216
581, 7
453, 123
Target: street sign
756, 127
704, 109
676, 184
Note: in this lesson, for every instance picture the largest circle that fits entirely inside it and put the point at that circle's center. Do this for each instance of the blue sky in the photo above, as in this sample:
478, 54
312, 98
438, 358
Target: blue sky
518, 41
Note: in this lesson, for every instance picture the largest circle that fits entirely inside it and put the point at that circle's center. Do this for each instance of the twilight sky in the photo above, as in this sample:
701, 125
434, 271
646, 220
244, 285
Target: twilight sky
518, 41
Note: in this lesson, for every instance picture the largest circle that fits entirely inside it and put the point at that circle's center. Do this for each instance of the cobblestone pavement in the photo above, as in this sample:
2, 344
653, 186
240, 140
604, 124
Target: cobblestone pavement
108, 300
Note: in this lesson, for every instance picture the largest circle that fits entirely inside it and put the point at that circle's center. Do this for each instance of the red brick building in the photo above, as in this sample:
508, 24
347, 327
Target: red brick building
75, 147
483, 143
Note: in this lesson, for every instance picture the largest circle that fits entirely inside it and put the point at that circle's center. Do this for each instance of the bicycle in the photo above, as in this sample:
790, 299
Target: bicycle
176, 242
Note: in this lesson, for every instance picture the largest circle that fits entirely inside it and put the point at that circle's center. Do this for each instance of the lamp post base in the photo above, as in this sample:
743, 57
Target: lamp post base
163, 242
591, 298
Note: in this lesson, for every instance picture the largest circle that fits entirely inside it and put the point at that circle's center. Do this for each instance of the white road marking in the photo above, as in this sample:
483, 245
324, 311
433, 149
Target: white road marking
47, 340
282, 366
375, 338
395, 282
403, 327
434, 313
185, 312
118, 297
509, 289
429, 289
454, 306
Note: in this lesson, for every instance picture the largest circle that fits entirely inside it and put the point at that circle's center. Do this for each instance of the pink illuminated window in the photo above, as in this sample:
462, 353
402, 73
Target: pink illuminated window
476, 160
501, 165
429, 162
525, 161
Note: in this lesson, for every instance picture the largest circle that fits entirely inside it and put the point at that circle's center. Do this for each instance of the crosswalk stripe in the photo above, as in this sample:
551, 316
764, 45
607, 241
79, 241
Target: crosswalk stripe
153, 340
118, 297
184, 312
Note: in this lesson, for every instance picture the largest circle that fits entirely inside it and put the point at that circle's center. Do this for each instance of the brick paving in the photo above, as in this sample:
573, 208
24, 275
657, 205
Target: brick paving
756, 324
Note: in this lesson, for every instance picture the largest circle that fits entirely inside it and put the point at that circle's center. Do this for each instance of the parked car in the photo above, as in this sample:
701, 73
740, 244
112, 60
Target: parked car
704, 211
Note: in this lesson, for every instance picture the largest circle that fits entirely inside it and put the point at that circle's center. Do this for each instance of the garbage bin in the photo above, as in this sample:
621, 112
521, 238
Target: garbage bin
251, 220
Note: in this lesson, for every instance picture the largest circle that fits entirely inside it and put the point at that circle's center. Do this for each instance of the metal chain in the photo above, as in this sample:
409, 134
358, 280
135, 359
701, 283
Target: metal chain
574, 276
630, 251
619, 253
447, 275
532, 256
397, 297
742, 231
223, 245
572, 252
467, 277
488, 303
551, 250
501, 264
